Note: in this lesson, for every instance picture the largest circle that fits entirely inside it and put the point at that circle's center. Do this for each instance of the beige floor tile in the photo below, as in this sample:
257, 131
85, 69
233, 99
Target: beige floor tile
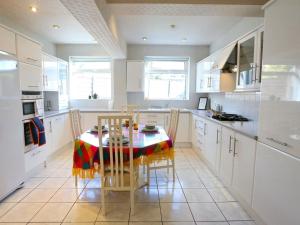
171, 195
94, 183
191, 182
83, 223
117, 196
52, 183
60, 173
18, 195
233, 211
39, 195
70, 183
176, 212
146, 195
168, 183
52, 212
115, 212
241, 223
90, 195
22, 212
12, 223
33, 182
43, 223
83, 212
221, 195
146, 212
179, 223
111, 223
4, 207
145, 223
212, 223
206, 212
212, 182
197, 195
66, 195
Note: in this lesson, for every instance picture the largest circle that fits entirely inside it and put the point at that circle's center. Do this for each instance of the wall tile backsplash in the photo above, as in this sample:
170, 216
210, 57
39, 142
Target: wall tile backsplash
244, 103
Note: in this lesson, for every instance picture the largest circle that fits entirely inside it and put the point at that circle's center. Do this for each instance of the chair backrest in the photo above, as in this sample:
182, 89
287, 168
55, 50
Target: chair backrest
173, 124
76, 123
133, 110
116, 164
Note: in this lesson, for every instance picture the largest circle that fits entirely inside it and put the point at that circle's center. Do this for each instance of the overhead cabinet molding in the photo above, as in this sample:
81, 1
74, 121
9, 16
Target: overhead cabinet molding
135, 76
7, 41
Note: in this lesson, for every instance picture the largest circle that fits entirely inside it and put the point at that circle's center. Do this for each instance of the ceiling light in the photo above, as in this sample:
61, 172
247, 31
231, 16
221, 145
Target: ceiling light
144, 38
184, 39
33, 9
55, 26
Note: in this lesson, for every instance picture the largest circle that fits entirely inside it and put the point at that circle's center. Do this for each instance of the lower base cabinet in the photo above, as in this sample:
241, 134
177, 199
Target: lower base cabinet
276, 192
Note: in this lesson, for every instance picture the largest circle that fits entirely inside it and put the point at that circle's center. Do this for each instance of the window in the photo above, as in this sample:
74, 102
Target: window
90, 77
166, 78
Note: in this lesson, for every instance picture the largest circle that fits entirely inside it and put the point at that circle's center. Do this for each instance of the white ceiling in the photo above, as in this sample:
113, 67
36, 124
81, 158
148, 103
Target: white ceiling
49, 12
196, 29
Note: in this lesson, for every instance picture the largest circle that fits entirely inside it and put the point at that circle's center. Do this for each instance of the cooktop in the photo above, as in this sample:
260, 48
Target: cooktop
229, 117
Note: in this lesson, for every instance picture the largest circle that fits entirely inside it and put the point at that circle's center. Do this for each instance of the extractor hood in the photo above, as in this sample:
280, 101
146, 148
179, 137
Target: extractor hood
226, 59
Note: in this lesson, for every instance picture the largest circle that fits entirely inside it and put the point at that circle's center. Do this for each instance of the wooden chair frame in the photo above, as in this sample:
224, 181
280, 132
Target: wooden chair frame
76, 123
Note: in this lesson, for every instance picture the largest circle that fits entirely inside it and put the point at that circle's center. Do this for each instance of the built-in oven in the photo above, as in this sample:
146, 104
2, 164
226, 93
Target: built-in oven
33, 104
28, 140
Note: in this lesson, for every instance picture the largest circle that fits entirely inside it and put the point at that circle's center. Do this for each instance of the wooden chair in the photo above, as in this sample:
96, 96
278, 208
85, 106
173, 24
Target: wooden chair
132, 110
76, 123
172, 131
113, 174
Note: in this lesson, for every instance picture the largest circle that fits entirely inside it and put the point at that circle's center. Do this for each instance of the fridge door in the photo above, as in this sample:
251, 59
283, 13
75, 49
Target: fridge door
279, 122
12, 169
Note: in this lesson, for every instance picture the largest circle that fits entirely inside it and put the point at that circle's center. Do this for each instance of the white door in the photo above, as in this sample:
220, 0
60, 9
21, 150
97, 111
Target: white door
276, 195
226, 162
29, 51
50, 72
243, 172
30, 77
135, 76
7, 41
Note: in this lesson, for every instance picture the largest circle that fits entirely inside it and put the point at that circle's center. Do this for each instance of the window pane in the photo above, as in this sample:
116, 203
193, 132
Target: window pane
166, 79
90, 77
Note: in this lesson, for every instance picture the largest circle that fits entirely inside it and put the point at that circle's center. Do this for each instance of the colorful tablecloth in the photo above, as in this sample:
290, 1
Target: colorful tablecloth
154, 146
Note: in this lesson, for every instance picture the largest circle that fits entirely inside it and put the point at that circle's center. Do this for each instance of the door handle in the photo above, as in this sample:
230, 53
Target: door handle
234, 147
278, 142
217, 141
31, 59
230, 150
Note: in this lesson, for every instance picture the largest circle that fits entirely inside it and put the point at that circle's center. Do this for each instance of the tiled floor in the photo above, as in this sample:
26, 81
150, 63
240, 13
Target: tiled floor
195, 198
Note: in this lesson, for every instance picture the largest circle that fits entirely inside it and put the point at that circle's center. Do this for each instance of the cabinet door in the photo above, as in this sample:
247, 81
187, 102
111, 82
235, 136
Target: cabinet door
135, 76
243, 172
35, 158
63, 84
48, 132
226, 162
58, 123
153, 118
30, 77
7, 41
246, 62
183, 129
50, 71
259, 56
29, 51
276, 196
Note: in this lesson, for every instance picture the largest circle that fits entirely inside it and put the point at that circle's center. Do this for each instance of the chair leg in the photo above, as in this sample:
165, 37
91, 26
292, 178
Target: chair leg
173, 166
76, 181
148, 174
132, 201
168, 170
103, 197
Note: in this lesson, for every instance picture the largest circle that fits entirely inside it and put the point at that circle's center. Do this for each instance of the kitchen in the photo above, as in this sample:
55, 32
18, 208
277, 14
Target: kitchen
205, 58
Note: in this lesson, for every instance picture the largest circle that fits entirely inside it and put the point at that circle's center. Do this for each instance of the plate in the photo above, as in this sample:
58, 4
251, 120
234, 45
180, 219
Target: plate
145, 129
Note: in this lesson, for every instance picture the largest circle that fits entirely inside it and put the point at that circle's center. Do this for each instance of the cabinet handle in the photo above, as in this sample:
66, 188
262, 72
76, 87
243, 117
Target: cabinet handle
33, 85
230, 150
31, 59
50, 126
217, 141
234, 147
278, 142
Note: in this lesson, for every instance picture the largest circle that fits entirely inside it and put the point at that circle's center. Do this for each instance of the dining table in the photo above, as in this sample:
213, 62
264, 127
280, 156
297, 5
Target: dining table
151, 146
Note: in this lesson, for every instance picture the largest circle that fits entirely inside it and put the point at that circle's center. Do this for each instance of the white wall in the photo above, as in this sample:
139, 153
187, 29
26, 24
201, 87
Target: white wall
47, 46
240, 29
196, 53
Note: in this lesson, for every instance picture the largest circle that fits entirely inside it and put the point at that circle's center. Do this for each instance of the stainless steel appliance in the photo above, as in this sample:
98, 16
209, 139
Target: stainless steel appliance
12, 168
33, 104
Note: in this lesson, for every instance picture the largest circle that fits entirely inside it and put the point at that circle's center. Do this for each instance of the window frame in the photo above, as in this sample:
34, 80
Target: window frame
184, 59
96, 59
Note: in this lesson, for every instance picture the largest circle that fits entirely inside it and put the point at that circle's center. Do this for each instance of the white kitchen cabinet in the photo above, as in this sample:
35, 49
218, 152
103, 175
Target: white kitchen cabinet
198, 140
7, 41
30, 77
50, 73
211, 150
89, 120
243, 166
249, 61
35, 158
226, 162
135, 76
29, 51
183, 130
276, 196
63, 68
48, 133
158, 119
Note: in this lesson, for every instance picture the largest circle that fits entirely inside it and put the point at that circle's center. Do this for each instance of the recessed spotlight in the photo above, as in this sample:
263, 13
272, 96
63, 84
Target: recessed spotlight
144, 38
55, 26
33, 9
184, 39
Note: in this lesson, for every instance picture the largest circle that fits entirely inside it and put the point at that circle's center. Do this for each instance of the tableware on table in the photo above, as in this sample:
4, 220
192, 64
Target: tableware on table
135, 126
125, 140
150, 128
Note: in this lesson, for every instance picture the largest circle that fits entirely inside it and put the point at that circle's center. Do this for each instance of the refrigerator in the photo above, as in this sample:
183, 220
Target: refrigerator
279, 122
12, 168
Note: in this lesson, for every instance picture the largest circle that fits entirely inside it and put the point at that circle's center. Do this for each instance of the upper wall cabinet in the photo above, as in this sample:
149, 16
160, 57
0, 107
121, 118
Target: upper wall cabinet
7, 41
135, 76
29, 51
249, 61
50, 73
211, 76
